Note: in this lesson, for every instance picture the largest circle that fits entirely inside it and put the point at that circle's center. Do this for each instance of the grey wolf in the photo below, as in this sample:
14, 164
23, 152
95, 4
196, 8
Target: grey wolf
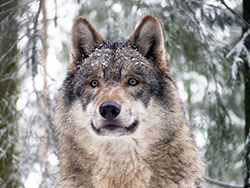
119, 120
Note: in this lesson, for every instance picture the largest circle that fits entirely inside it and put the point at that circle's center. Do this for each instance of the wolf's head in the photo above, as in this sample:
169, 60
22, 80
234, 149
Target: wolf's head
119, 119
118, 90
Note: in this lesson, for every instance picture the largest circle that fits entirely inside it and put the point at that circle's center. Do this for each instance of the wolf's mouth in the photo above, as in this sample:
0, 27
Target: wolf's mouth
115, 130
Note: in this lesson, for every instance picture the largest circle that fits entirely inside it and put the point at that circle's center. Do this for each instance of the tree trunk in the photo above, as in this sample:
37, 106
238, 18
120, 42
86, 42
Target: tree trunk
44, 98
9, 176
246, 16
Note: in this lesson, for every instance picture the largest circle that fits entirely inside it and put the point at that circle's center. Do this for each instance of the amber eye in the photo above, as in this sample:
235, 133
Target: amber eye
94, 83
133, 82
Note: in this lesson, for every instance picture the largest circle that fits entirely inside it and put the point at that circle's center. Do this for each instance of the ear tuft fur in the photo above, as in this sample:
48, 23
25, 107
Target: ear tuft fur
149, 41
83, 38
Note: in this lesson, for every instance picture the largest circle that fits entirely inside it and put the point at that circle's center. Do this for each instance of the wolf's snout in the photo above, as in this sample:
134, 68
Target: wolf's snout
109, 110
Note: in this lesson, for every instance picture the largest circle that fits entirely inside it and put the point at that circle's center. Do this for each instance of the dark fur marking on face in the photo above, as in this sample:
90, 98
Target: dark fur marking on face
152, 85
75, 84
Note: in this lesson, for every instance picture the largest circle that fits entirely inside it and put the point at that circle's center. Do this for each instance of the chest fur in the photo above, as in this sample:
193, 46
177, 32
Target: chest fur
123, 171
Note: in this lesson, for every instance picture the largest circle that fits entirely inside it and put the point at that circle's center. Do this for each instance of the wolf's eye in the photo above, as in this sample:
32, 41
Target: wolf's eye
133, 82
94, 83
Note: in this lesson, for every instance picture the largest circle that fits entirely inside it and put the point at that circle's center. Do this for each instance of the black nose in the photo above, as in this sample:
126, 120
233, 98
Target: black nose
109, 110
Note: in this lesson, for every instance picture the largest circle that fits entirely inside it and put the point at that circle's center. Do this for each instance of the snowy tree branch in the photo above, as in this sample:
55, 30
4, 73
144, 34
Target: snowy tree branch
239, 47
235, 13
220, 183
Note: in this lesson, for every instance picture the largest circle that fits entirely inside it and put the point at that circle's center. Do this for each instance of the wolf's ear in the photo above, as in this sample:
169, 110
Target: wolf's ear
148, 40
83, 38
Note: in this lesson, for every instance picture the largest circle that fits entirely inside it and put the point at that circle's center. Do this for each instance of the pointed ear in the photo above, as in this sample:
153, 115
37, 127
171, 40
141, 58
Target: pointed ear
83, 38
148, 40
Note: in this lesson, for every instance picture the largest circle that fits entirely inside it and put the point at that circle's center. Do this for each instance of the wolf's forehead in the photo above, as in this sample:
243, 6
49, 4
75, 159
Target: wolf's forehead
113, 59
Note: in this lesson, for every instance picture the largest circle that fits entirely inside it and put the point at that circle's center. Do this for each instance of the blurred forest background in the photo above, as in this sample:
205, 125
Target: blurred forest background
207, 43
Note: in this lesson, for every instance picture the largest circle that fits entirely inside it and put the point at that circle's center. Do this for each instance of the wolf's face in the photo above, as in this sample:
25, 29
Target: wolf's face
119, 90
115, 87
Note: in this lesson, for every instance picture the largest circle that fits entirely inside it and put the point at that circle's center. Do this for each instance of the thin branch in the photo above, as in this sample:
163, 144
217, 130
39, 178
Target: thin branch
55, 18
239, 46
33, 59
193, 12
221, 184
7, 3
235, 13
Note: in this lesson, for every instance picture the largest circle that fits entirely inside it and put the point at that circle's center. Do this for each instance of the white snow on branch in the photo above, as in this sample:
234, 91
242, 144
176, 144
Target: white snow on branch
238, 49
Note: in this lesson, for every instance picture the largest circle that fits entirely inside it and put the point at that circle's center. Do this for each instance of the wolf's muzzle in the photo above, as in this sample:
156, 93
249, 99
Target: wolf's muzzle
109, 110
111, 123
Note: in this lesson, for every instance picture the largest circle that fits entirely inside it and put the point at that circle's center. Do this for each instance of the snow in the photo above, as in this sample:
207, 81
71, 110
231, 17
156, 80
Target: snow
117, 7
34, 179
239, 48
